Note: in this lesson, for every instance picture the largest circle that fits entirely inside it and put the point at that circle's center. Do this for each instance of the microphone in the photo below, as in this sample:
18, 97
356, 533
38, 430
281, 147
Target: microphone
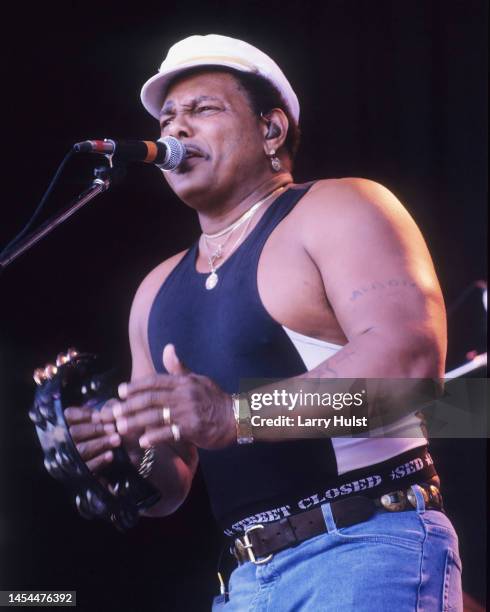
167, 153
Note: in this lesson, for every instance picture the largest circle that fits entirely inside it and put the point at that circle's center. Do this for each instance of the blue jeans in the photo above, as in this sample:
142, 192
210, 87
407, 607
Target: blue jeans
394, 562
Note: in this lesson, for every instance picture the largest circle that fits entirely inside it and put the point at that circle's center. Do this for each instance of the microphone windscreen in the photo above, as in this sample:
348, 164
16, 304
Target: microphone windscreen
175, 153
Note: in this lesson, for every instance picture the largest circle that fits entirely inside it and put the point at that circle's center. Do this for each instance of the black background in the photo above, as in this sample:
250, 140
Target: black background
392, 91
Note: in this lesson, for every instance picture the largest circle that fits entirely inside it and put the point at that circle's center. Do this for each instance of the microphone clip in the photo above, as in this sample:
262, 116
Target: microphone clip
112, 174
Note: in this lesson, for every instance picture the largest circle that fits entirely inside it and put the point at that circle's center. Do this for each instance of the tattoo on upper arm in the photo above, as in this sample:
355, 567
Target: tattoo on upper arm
378, 286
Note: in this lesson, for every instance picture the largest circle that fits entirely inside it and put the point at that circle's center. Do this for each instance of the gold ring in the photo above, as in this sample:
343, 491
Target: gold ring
166, 415
175, 429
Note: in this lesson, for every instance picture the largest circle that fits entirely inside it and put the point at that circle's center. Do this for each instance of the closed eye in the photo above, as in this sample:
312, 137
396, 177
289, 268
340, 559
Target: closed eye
202, 109
165, 122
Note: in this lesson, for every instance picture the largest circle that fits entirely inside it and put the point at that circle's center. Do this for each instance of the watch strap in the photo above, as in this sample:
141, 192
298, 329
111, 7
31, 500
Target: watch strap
241, 410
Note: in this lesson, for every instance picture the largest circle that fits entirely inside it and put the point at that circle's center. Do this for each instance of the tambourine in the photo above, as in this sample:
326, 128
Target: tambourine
119, 493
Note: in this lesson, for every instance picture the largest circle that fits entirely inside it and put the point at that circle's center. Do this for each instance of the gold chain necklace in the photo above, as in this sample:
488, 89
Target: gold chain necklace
213, 278
246, 215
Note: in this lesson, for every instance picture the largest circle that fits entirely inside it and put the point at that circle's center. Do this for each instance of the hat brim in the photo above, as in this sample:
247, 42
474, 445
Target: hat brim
155, 89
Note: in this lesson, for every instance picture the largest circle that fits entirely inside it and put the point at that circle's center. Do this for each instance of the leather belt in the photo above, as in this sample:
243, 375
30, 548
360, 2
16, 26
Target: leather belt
260, 541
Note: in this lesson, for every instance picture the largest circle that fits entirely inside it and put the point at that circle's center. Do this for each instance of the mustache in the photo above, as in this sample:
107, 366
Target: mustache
193, 150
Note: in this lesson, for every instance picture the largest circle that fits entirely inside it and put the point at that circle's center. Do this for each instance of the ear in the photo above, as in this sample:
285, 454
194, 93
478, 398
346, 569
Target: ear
274, 129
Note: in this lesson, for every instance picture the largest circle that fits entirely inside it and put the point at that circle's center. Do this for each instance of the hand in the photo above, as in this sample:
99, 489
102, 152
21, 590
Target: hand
200, 410
94, 434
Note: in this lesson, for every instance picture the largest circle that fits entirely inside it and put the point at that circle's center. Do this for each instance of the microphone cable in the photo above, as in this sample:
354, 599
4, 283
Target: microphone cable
39, 207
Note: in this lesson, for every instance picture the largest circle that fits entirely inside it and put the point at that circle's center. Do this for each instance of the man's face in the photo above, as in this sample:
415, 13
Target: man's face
211, 115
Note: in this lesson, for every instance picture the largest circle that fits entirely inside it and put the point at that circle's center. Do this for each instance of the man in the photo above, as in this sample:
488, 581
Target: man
330, 280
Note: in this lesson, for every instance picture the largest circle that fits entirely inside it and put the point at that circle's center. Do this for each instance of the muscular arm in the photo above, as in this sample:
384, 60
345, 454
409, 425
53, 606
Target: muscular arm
175, 464
380, 281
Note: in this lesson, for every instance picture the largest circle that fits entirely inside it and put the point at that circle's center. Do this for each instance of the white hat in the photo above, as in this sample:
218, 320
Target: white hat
215, 50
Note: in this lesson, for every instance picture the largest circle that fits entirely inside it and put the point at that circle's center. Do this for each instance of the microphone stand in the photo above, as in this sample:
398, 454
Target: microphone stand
104, 177
478, 361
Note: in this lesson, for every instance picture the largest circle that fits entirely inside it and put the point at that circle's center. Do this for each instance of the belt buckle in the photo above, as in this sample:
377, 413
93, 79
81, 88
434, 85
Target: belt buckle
395, 501
247, 546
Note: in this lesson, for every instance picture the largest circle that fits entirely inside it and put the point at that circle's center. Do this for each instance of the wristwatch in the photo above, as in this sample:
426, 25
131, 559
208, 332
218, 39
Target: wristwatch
241, 410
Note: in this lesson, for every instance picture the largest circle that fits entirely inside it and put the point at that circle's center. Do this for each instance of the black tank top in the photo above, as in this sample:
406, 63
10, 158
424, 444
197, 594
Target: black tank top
226, 334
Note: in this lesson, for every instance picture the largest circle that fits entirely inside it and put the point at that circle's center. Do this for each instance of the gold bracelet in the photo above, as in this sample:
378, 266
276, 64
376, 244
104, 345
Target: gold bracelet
241, 410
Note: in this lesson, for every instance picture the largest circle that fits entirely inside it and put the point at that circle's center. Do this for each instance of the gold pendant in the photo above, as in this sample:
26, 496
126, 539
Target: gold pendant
211, 281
